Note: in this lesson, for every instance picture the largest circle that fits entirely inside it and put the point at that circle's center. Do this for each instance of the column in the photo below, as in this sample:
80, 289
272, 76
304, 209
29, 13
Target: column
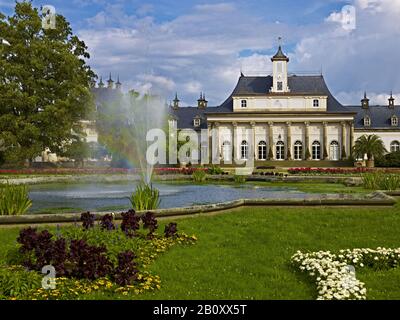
344, 156
216, 148
253, 132
351, 137
325, 146
234, 137
307, 154
209, 127
289, 140
270, 140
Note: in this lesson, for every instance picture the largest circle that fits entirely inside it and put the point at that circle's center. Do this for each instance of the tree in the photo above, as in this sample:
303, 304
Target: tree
44, 84
370, 145
77, 149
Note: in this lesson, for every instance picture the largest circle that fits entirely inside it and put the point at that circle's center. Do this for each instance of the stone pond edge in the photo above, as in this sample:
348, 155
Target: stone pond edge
377, 198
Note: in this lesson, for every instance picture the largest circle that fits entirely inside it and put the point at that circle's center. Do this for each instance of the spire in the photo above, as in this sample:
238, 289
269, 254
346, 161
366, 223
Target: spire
280, 56
101, 83
391, 100
118, 84
365, 101
176, 102
110, 82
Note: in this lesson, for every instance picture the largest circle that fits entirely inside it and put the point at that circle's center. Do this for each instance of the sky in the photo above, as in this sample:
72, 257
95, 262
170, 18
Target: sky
192, 46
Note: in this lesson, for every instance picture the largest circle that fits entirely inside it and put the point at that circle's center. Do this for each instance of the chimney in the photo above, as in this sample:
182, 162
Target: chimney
365, 101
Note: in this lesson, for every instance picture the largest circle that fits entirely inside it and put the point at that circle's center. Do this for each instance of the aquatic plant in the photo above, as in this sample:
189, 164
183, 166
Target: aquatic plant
14, 199
145, 197
199, 176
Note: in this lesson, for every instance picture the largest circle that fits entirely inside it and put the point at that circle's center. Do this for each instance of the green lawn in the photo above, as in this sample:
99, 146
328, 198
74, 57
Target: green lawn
245, 254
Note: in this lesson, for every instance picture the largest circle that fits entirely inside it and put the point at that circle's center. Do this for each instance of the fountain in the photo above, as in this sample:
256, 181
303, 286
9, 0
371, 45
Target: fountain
123, 124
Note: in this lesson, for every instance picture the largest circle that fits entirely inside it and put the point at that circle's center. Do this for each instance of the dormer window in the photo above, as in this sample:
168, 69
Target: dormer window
395, 121
196, 122
244, 103
280, 85
367, 121
316, 103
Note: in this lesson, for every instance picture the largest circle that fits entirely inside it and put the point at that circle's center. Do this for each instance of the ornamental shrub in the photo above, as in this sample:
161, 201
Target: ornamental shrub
87, 220
171, 230
130, 223
106, 222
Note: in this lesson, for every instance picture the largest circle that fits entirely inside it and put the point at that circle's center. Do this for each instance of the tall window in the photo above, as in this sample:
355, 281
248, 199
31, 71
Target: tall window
280, 85
280, 150
395, 121
244, 103
334, 151
394, 146
367, 121
316, 150
244, 150
227, 151
316, 103
262, 150
298, 150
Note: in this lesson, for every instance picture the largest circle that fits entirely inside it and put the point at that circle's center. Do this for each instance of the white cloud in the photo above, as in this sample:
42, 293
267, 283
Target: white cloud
198, 51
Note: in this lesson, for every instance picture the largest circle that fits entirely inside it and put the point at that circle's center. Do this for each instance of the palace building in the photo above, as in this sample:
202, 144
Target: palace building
291, 120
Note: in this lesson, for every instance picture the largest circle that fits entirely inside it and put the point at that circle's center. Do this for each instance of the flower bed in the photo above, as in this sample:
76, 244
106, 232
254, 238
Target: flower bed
335, 273
92, 259
339, 171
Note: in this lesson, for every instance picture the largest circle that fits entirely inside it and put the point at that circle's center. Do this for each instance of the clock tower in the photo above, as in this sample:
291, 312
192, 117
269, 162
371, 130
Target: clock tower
279, 73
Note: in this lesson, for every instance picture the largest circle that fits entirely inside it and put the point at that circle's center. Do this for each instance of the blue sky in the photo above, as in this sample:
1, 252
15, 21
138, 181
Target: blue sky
190, 46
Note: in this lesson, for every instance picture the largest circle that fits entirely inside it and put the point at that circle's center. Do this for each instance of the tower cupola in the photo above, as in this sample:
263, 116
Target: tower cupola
280, 72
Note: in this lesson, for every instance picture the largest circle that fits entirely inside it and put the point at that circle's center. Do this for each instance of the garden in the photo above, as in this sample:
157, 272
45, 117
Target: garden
101, 259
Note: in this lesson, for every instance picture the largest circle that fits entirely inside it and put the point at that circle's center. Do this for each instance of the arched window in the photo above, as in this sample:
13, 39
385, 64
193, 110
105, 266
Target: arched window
394, 146
262, 150
395, 121
280, 150
298, 150
227, 151
334, 151
244, 150
367, 121
316, 150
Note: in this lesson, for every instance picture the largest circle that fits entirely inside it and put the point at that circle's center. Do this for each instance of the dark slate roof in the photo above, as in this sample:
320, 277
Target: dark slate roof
380, 116
186, 115
301, 85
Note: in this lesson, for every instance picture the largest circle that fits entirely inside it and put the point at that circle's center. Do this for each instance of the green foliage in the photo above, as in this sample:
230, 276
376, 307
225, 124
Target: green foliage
44, 84
14, 199
215, 170
78, 149
371, 145
381, 181
240, 179
199, 176
145, 197
16, 280
390, 160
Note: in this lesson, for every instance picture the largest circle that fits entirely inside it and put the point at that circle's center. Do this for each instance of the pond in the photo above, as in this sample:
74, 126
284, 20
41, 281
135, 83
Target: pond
114, 196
